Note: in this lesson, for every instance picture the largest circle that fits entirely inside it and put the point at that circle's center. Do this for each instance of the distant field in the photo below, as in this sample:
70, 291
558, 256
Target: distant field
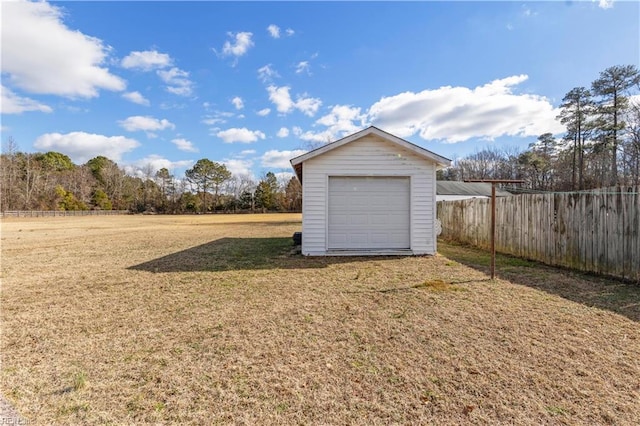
213, 319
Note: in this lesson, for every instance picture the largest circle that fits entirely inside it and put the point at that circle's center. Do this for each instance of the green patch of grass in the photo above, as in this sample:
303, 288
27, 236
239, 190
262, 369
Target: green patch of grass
555, 411
79, 380
439, 286
73, 409
474, 256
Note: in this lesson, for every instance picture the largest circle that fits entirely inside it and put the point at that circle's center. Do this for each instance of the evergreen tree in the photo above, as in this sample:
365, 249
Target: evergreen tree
576, 108
611, 87
207, 175
265, 195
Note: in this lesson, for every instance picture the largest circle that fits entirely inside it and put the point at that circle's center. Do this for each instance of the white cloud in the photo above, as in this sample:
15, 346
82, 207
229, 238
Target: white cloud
451, 114
247, 152
136, 98
237, 102
289, 32
527, 12
605, 4
341, 118
146, 61
81, 146
242, 135
267, 73
283, 132
274, 31
455, 114
281, 98
279, 159
184, 145
308, 106
239, 46
177, 81
341, 121
284, 104
303, 67
212, 121
217, 117
264, 112
155, 162
13, 104
40, 54
239, 167
146, 123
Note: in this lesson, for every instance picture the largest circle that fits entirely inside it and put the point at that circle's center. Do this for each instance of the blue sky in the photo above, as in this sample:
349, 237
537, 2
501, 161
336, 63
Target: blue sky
252, 84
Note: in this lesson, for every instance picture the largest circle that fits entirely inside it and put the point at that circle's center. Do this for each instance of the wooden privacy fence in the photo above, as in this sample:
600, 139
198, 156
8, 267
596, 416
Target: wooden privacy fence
52, 213
595, 231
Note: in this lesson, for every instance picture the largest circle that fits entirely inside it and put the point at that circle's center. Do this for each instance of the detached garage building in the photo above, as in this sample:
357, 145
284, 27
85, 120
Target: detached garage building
370, 193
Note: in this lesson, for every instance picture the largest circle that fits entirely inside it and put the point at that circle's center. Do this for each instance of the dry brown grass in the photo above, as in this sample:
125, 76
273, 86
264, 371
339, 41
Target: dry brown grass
210, 319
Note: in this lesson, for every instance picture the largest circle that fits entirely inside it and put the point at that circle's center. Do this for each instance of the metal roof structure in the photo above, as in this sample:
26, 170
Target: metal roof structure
450, 187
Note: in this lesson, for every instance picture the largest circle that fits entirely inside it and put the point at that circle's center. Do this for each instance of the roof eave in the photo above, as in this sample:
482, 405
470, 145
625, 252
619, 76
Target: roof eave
441, 162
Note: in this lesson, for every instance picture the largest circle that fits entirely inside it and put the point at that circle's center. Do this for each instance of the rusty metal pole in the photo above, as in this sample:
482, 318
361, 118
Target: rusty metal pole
493, 183
493, 230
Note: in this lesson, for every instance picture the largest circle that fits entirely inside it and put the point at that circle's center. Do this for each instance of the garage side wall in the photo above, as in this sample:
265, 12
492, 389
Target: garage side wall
369, 156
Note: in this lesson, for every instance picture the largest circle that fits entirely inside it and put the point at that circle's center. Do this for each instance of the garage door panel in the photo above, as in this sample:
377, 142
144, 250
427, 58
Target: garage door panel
398, 237
379, 201
379, 219
369, 213
357, 222
338, 219
358, 238
379, 237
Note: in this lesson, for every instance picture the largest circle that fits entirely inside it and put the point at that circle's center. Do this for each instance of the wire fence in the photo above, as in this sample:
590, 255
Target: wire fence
54, 213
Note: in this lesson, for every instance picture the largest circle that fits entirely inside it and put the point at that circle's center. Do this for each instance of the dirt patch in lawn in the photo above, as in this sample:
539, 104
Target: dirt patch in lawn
211, 319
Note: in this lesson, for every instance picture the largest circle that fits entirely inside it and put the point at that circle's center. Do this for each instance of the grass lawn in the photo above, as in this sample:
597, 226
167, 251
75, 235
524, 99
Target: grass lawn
213, 320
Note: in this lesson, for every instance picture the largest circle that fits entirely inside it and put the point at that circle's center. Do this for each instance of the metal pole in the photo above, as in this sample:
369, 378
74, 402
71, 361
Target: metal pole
493, 230
493, 183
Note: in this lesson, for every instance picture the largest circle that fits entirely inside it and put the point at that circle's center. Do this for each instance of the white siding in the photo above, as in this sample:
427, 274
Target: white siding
368, 156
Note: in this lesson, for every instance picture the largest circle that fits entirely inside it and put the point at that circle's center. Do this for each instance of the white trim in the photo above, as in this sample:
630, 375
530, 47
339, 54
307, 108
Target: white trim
386, 252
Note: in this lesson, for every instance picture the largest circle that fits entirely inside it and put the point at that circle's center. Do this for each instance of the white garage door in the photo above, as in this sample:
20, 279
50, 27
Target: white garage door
368, 213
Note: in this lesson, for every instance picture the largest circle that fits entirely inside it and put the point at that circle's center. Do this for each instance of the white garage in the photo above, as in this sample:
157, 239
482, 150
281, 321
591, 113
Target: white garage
370, 193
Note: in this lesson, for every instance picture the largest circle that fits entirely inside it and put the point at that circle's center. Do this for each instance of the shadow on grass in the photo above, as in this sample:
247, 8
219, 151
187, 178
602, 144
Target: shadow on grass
590, 290
228, 254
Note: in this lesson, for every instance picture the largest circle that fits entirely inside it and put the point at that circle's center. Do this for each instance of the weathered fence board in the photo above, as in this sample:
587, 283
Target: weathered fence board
596, 231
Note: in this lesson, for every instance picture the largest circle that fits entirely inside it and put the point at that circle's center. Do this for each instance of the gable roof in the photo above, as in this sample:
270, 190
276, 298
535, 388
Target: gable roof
440, 161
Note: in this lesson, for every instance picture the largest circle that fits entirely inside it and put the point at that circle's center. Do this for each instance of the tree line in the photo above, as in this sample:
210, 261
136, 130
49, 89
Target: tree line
51, 181
600, 147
